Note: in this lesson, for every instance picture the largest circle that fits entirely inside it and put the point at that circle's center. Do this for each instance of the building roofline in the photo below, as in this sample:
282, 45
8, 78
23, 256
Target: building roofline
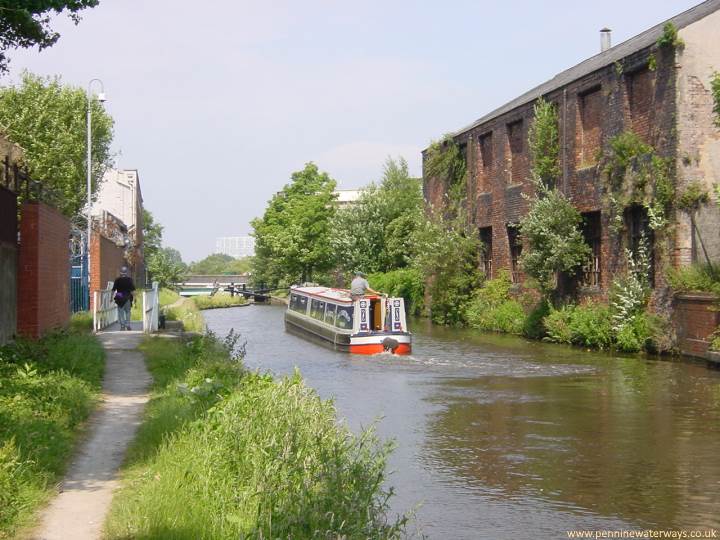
603, 59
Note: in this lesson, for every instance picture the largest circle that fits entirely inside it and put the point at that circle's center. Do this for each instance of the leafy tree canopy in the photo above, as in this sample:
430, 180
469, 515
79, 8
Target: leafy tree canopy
292, 239
47, 119
219, 263
166, 267
375, 233
26, 23
152, 233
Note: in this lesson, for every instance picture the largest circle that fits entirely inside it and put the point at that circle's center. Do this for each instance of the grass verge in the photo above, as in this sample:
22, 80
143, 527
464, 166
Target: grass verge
47, 389
218, 300
224, 453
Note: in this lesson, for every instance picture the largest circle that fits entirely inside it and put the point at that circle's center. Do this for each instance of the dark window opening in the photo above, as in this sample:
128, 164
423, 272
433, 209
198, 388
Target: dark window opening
590, 105
640, 237
515, 252
485, 142
640, 92
592, 233
516, 146
486, 253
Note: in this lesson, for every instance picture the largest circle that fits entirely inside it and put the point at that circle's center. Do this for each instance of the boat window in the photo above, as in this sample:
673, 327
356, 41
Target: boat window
330, 314
344, 318
317, 309
298, 303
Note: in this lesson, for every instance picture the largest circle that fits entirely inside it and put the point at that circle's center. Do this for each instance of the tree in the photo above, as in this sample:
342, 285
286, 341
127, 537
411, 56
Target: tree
217, 263
47, 119
375, 234
550, 231
552, 238
447, 256
26, 23
152, 234
292, 239
166, 267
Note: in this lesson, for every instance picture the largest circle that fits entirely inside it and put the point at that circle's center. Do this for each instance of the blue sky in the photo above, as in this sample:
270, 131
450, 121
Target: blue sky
216, 103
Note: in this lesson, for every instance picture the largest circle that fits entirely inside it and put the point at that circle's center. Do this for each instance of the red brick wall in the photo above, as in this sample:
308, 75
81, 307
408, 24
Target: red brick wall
106, 259
591, 110
695, 316
588, 135
43, 292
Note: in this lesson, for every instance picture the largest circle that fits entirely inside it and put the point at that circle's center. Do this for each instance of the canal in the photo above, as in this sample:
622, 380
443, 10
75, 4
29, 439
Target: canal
499, 437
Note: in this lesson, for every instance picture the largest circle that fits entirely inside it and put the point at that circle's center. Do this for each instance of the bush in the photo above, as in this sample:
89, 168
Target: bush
492, 308
694, 278
224, 453
588, 325
81, 321
47, 389
406, 283
534, 327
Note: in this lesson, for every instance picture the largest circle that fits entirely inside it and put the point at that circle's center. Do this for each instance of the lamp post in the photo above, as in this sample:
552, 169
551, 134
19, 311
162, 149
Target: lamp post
101, 98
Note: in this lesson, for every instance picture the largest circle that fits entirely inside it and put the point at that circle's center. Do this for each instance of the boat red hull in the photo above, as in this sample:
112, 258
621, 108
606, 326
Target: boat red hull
377, 348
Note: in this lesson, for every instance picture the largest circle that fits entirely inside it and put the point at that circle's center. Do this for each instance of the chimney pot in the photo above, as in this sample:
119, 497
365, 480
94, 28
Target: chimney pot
605, 39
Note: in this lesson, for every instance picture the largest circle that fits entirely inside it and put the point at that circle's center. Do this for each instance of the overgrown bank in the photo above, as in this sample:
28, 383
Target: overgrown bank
225, 453
48, 388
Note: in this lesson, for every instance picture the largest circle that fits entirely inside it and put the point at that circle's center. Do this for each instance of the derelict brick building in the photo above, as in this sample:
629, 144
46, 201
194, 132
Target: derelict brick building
661, 93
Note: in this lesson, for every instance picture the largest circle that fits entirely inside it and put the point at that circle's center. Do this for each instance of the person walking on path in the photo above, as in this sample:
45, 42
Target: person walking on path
123, 289
360, 286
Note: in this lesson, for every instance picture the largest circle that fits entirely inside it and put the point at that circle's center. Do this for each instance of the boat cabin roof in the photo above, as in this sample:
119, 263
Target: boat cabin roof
327, 293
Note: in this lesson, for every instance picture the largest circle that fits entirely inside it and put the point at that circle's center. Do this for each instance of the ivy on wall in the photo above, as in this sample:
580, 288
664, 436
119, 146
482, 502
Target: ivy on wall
635, 174
715, 90
444, 160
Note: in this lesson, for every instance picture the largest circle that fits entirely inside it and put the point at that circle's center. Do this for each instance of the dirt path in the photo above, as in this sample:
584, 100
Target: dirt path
79, 511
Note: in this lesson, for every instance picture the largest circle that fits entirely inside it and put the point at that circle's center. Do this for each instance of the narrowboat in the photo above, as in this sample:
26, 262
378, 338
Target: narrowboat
368, 325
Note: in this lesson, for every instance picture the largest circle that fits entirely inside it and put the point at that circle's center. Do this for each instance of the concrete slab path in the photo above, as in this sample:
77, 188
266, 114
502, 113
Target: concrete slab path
79, 511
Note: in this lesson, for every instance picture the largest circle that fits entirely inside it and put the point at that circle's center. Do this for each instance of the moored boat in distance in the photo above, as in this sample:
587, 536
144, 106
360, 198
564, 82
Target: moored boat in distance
367, 325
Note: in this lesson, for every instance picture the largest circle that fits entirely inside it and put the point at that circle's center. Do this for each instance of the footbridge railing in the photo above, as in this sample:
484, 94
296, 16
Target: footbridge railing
104, 309
151, 309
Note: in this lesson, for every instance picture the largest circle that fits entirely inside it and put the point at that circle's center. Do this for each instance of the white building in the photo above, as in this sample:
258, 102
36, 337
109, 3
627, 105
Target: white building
120, 195
235, 246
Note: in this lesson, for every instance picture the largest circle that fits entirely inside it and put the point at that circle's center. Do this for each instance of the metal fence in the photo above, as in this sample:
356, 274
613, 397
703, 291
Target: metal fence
79, 279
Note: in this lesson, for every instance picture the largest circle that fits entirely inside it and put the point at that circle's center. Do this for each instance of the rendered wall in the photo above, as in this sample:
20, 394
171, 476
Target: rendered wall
698, 136
43, 291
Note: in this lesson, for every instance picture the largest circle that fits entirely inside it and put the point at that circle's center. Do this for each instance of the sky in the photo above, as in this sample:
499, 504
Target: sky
216, 103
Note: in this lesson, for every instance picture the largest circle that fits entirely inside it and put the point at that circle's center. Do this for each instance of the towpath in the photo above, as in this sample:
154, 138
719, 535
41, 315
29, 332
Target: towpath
79, 511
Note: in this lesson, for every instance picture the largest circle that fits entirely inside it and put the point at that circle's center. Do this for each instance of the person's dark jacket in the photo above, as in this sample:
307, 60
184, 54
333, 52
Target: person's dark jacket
123, 288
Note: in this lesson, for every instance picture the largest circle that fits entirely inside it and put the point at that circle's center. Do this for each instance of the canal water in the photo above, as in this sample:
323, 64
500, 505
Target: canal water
499, 437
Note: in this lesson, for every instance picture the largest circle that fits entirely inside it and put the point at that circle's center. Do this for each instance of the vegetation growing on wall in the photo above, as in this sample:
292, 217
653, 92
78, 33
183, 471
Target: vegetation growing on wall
669, 37
550, 231
715, 89
544, 144
635, 173
444, 160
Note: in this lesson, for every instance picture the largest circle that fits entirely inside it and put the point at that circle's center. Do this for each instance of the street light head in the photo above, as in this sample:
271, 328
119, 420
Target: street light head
102, 98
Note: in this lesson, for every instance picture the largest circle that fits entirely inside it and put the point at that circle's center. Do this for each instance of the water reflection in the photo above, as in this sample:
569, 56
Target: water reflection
502, 437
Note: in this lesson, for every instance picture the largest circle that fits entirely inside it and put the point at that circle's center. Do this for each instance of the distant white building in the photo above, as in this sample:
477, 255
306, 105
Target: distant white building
235, 246
347, 197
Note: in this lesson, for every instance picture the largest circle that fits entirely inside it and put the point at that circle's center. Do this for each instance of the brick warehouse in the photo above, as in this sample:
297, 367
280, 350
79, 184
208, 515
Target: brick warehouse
660, 93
